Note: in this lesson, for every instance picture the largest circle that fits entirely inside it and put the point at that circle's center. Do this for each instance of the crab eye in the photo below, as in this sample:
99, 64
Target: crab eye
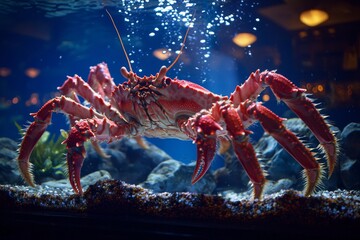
167, 81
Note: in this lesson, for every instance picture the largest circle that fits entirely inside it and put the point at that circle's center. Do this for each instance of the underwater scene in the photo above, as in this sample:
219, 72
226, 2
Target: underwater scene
180, 119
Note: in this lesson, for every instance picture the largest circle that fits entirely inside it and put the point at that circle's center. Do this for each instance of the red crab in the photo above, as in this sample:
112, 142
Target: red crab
158, 106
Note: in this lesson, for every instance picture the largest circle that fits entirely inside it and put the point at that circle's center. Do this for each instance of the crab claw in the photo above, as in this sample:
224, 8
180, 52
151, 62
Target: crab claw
206, 128
76, 152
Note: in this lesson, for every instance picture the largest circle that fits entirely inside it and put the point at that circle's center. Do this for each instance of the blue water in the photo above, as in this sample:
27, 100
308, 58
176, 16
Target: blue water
65, 39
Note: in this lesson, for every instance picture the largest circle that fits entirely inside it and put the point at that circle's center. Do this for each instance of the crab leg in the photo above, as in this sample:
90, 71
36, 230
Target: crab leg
244, 149
41, 120
100, 84
273, 125
296, 100
78, 85
206, 124
100, 80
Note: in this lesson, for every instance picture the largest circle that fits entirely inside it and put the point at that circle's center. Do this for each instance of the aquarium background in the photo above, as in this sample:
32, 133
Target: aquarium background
44, 41
148, 192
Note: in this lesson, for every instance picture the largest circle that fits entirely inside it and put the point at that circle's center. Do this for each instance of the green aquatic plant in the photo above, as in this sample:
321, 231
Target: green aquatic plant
47, 158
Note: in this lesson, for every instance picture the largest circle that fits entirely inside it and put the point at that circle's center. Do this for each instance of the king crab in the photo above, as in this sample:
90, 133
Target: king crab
158, 106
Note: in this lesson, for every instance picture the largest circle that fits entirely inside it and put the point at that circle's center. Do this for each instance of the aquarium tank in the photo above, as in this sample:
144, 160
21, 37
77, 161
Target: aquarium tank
180, 119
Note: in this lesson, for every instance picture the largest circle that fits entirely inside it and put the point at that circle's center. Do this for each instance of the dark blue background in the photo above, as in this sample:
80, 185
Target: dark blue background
68, 45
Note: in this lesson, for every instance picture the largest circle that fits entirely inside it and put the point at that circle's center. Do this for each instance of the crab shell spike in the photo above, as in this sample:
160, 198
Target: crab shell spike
162, 72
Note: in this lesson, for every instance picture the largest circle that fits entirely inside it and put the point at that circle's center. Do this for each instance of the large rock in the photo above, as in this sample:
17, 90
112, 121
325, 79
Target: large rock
174, 176
350, 162
128, 161
232, 175
9, 171
350, 138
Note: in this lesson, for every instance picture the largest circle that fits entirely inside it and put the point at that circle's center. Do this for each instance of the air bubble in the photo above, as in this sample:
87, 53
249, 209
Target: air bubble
151, 34
168, 8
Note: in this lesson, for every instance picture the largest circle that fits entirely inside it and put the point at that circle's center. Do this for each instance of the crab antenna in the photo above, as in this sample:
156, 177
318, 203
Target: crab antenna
121, 42
182, 47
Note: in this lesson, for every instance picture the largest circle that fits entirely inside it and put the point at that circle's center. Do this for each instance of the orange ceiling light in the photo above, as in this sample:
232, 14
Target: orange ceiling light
244, 39
313, 17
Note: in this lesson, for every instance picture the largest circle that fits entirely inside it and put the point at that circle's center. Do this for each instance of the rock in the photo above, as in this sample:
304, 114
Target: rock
350, 176
86, 181
9, 172
350, 160
276, 186
232, 176
350, 140
8, 144
174, 176
282, 165
128, 161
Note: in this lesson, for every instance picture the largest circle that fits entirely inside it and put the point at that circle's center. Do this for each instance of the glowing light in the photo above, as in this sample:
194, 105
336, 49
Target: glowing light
313, 17
15, 100
32, 72
303, 34
34, 100
244, 39
332, 30
316, 33
162, 54
4, 71
266, 97
320, 88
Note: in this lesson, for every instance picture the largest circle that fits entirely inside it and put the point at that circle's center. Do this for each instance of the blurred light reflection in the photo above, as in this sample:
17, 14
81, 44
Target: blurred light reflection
4, 72
32, 72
